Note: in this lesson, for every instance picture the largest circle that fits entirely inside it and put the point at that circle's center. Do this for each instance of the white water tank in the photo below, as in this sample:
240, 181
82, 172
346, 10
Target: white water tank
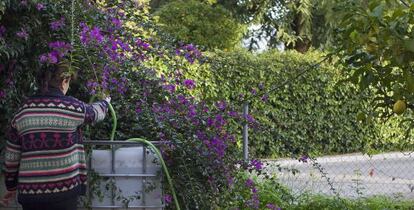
136, 176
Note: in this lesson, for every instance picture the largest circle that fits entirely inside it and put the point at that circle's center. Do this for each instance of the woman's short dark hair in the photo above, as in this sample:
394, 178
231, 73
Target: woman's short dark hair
54, 75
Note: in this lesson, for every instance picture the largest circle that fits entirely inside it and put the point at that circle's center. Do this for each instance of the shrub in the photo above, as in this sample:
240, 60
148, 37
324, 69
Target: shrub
200, 23
115, 49
312, 114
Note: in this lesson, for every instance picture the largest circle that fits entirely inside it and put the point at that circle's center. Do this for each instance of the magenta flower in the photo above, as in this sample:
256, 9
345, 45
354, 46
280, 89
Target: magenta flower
253, 91
221, 105
40, 6
249, 183
265, 97
57, 24
96, 34
142, 44
84, 34
43, 58
304, 158
256, 164
2, 31
272, 206
53, 57
23, 3
2, 94
116, 22
190, 84
22, 34
169, 88
92, 85
167, 198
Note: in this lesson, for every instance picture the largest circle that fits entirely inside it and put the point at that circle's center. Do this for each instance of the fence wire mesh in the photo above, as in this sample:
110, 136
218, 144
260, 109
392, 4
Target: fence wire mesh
349, 176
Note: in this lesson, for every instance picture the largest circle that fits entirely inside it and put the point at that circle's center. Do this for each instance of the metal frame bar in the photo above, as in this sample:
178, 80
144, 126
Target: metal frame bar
112, 175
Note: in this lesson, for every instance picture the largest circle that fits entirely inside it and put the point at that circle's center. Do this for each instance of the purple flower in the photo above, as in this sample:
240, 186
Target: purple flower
210, 122
192, 111
265, 98
249, 118
219, 121
60, 48
53, 57
233, 114
272, 206
169, 88
142, 44
217, 146
40, 6
253, 91
43, 58
57, 24
22, 34
304, 158
256, 164
261, 86
92, 85
60, 45
167, 198
84, 34
190, 52
2, 94
249, 183
221, 105
96, 34
23, 3
190, 84
2, 31
138, 108
116, 22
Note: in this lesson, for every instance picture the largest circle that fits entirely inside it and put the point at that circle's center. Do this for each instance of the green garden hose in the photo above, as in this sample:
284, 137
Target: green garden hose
114, 121
147, 143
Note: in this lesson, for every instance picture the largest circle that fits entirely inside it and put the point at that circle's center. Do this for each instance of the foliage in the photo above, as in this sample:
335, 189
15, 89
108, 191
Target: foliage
307, 115
260, 193
116, 50
201, 24
274, 196
298, 24
375, 44
316, 202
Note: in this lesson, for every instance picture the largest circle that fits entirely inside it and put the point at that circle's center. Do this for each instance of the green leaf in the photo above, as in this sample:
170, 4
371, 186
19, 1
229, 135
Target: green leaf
409, 44
378, 11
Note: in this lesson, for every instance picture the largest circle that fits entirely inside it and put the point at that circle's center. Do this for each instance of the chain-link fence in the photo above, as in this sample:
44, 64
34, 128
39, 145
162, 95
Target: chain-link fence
349, 176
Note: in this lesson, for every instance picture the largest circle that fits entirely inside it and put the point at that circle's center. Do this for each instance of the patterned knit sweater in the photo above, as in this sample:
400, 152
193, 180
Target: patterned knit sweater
45, 158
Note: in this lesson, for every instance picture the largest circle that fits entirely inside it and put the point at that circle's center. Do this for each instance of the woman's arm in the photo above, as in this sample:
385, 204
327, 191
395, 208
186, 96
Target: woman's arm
96, 112
12, 159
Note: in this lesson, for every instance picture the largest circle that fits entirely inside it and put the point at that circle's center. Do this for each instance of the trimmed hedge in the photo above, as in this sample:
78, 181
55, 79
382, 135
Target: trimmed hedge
310, 115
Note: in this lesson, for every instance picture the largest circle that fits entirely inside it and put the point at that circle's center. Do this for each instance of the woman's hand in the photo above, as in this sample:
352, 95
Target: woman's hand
9, 196
108, 99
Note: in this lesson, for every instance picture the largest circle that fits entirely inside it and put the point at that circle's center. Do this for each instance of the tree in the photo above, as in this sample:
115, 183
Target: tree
375, 43
201, 24
298, 24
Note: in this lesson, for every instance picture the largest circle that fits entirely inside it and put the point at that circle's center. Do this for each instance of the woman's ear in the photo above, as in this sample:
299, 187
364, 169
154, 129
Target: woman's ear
65, 85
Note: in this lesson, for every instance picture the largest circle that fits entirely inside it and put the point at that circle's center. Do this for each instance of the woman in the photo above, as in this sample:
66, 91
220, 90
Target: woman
45, 159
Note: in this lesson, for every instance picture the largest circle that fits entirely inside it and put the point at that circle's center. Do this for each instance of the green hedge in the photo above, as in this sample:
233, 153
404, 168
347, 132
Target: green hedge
311, 115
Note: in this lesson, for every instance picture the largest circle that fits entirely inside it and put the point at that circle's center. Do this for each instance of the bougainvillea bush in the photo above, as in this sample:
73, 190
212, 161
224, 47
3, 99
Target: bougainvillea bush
115, 49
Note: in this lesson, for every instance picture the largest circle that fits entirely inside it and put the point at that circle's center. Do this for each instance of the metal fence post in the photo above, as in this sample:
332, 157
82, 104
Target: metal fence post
245, 132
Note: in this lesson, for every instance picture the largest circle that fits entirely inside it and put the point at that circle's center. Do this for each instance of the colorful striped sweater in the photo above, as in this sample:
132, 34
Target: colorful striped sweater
44, 158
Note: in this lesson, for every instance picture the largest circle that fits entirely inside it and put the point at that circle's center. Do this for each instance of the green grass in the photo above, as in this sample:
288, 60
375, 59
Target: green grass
320, 202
